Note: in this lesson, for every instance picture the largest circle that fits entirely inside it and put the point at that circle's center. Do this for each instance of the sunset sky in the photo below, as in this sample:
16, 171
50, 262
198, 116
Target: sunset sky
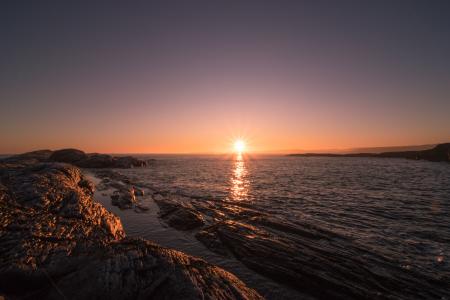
193, 76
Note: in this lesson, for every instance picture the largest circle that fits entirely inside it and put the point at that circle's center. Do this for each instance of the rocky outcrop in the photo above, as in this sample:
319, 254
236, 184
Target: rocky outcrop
321, 263
70, 156
440, 153
36, 156
312, 259
179, 216
123, 198
128, 161
56, 242
308, 256
79, 158
123, 194
95, 160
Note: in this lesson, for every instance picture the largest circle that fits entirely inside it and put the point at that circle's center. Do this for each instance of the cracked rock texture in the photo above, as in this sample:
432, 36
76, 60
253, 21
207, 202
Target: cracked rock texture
56, 242
314, 260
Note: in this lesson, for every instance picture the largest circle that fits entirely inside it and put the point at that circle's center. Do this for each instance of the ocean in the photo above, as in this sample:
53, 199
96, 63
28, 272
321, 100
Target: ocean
396, 210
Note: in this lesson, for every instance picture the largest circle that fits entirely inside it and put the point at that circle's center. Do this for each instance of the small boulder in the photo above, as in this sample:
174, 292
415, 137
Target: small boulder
124, 198
185, 219
178, 215
128, 194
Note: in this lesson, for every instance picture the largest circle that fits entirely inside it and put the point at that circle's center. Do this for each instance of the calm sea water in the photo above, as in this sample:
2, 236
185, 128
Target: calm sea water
399, 207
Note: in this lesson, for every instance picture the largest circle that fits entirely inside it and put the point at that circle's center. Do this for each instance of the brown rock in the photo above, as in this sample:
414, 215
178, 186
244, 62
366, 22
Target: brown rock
56, 243
178, 215
70, 156
96, 161
123, 198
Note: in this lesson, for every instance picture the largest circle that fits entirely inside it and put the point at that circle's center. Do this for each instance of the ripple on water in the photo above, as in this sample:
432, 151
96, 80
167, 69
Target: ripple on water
396, 208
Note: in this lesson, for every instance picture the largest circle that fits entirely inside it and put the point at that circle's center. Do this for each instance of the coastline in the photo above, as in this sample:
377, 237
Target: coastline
307, 256
183, 240
57, 241
314, 261
439, 153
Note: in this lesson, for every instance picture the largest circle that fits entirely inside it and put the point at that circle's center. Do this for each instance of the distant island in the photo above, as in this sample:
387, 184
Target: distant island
440, 152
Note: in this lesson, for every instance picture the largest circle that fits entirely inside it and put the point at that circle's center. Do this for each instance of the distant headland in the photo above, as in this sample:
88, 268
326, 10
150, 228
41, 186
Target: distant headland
440, 152
81, 159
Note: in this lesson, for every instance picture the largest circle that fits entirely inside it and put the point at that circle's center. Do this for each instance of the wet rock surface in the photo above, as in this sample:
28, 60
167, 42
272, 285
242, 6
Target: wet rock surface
123, 198
178, 215
122, 193
56, 242
323, 263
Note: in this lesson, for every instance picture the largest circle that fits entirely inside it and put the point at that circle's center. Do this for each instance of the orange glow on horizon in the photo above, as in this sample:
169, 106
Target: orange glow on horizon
219, 137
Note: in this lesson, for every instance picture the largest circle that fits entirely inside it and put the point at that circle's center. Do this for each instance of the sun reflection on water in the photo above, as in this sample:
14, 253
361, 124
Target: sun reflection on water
239, 182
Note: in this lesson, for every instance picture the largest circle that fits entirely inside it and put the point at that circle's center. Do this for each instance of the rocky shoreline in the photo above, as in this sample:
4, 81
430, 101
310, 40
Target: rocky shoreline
322, 263
57, 242
55, 239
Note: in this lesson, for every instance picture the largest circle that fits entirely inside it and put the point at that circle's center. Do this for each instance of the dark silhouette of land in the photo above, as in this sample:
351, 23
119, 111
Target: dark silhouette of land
440, 152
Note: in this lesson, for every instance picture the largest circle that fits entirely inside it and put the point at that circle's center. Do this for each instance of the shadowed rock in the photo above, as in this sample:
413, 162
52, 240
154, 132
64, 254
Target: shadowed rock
39, 155
79, 158
96, 161
124, 198
127, 161
71, 156
440, 152
179, 216
56, 242
322, 264
125, 195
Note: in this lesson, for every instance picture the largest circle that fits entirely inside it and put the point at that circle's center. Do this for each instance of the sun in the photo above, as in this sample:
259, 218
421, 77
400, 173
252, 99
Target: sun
239, 146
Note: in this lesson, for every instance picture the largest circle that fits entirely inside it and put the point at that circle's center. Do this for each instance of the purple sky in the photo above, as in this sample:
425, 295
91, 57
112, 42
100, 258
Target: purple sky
192, 76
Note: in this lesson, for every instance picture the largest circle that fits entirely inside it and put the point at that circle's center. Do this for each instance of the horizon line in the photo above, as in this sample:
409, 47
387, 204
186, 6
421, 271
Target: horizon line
274, 152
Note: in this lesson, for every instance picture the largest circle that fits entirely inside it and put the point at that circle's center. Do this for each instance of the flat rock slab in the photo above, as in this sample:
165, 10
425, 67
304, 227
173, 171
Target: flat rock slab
178, 215
324, 266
